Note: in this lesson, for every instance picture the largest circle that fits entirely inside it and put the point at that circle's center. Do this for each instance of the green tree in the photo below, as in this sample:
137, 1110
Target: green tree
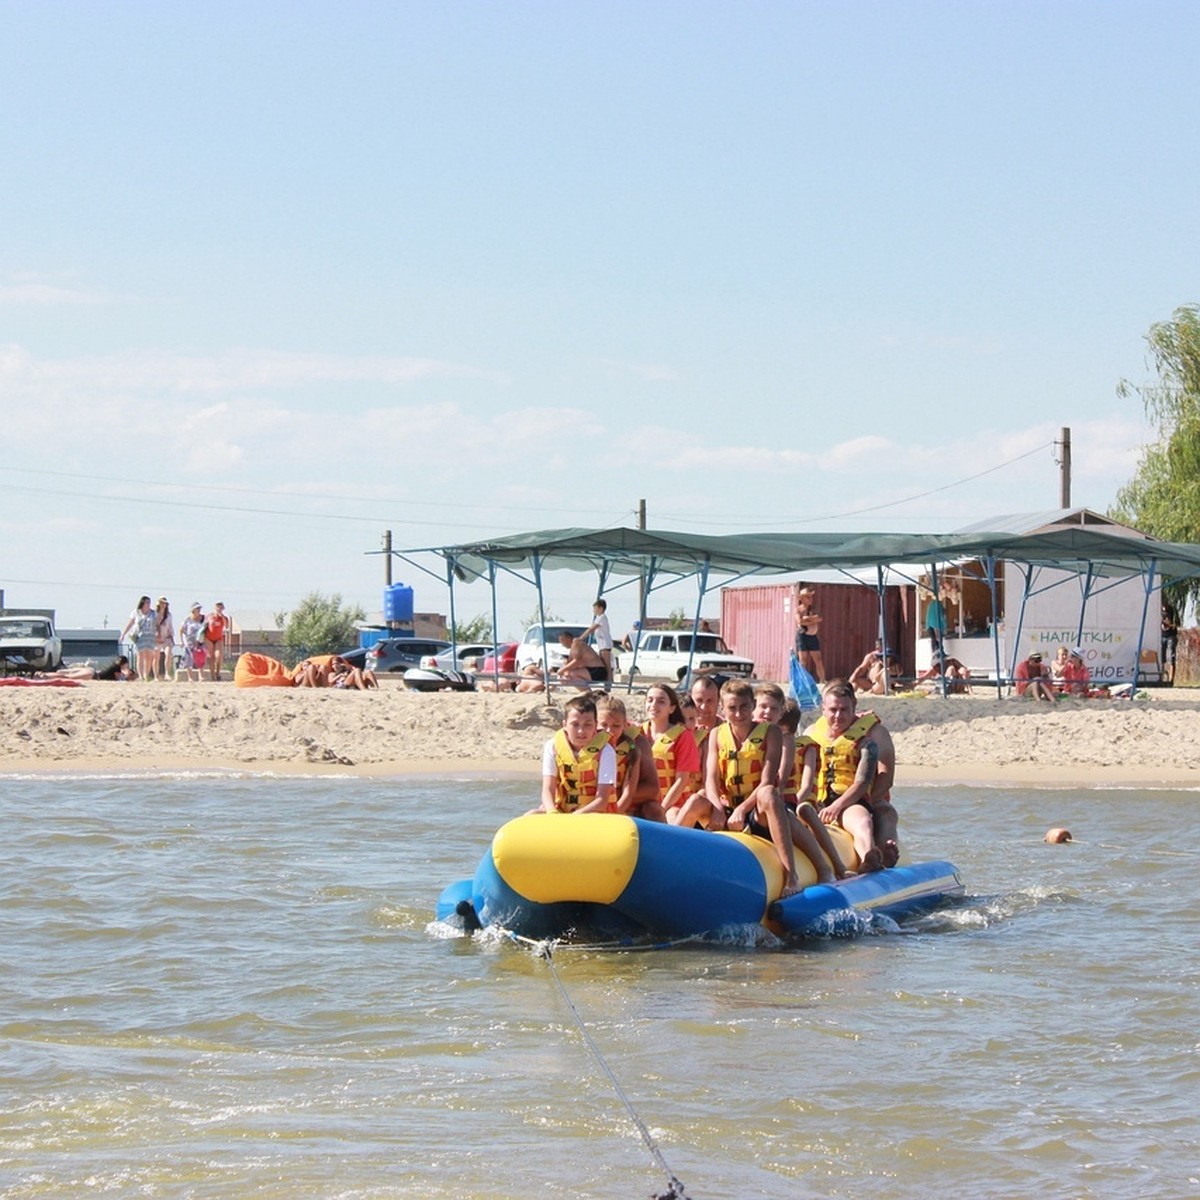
477, 629
535, 617
1163, 497
678, 619
320, 625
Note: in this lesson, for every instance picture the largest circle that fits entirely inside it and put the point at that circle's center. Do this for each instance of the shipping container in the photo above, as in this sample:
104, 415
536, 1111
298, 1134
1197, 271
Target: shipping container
759, 622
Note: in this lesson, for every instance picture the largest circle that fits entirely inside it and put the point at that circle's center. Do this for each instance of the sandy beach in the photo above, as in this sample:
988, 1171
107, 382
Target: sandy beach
184, 726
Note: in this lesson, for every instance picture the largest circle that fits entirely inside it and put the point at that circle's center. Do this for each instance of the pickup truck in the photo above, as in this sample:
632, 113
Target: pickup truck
29, 643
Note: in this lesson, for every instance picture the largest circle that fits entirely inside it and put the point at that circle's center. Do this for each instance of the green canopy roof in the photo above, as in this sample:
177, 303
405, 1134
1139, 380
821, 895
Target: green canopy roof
624, 551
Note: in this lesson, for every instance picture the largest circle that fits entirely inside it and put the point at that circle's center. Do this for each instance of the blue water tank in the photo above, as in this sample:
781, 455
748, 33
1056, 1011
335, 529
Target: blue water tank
398, 605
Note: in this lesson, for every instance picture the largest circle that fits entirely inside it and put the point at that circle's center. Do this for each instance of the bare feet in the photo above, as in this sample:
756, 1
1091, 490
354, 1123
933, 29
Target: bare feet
891, 853
791, 886
872, 860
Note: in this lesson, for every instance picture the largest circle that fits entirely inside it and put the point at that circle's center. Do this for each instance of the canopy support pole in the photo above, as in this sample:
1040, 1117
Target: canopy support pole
883, 639
939, 654
1015, 648
1147, 588
450, 561
701, 590
990, 563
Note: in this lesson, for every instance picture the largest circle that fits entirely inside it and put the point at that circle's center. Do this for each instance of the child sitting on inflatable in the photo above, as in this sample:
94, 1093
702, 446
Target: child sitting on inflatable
797, 757
579, 766
742, 779
637, 788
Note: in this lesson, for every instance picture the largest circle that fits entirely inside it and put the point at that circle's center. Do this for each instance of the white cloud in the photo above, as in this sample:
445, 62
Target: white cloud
29, 294
646, 372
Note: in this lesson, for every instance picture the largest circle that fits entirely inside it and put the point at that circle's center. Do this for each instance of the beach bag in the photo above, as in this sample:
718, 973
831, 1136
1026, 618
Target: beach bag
199, 655
803, 686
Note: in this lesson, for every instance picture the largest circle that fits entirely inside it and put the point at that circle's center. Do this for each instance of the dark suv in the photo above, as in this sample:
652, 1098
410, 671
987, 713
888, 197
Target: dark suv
398, 654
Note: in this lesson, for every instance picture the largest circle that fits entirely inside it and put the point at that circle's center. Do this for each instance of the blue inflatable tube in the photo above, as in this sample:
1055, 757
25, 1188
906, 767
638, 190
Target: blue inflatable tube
611, 877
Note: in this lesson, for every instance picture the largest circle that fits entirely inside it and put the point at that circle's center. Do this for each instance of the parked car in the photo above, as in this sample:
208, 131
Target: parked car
356, 657
664, 654
505, 663
530, 647
398, 654
467, 655
29, 643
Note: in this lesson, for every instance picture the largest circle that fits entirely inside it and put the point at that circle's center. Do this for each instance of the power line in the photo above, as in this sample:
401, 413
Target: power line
854, 512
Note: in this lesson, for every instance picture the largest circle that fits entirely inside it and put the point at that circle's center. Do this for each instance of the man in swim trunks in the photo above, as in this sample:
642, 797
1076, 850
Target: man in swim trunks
583, 664
855, 772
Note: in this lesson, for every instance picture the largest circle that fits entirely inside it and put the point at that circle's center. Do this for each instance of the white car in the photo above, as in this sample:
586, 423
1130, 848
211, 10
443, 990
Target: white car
28, 643
665, 654
537, 636
445, 660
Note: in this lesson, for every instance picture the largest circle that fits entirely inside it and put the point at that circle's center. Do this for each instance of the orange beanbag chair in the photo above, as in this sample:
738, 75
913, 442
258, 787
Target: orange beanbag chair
257, 670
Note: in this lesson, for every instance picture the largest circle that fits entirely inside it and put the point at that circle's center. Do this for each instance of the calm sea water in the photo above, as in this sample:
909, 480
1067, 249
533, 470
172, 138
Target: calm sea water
230, 987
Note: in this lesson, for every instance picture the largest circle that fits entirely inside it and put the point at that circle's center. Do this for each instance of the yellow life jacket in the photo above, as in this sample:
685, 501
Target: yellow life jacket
662, 747
578, 773
623, 748
839, 756
741, 766
791, 785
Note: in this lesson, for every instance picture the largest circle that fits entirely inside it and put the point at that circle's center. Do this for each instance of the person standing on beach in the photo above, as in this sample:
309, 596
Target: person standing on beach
142, 627
190, 635
808, 628
215, 626
602, 635
164, 642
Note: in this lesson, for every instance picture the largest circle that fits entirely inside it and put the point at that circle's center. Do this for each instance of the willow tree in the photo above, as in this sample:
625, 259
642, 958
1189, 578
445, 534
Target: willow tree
1163, 497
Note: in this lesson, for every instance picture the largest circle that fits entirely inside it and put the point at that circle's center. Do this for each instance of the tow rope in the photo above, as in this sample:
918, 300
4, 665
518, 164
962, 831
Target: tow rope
675, 1189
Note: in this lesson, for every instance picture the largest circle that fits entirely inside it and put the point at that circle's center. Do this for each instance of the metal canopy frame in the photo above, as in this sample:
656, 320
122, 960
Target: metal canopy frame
660, 558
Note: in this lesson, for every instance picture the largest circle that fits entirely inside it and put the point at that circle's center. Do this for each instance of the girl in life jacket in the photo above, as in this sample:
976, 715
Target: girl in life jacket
637, 787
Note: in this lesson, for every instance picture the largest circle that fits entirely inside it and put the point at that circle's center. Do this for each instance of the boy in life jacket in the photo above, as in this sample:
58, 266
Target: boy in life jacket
809, 834
742, 777
637, 792
854, 772
579, 767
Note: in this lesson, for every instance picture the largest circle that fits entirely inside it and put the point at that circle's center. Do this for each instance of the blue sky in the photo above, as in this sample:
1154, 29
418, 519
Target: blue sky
277, 277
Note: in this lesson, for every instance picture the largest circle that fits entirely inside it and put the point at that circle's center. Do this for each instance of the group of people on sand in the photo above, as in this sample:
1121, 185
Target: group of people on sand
734, 759
332, 670
159, 655
1066, 675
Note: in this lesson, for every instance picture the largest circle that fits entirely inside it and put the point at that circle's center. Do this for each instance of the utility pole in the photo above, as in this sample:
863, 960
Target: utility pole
1064, 468
387, 557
